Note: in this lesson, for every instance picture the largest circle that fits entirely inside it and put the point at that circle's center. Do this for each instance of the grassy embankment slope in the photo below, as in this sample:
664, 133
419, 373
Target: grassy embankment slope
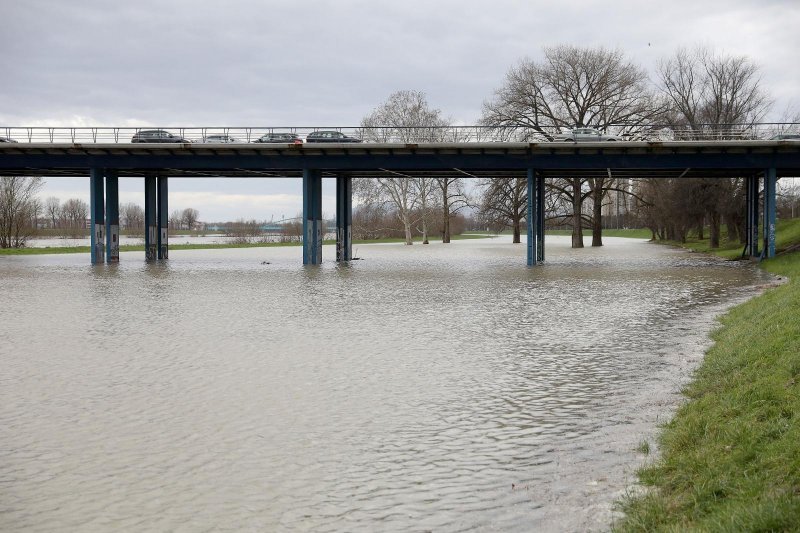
140, 248
730, 458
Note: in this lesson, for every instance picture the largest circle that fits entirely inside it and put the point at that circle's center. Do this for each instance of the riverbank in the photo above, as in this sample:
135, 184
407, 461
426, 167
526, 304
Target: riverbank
730, 457
209, 246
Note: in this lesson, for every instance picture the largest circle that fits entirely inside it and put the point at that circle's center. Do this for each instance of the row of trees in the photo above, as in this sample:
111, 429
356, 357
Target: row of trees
699, 91
22, 213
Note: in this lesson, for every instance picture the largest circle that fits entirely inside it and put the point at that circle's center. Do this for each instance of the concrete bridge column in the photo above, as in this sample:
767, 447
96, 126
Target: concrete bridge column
540, 218
312, 217
112, 217
150, 219
770, 181
97, 218
752, 217
344, 218
533, 218
163, 218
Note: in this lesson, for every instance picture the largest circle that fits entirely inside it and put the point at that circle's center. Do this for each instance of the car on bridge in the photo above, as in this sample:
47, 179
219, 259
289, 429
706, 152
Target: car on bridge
330, 137
157, 136
7, 140
280, 138
219, 139
584, 135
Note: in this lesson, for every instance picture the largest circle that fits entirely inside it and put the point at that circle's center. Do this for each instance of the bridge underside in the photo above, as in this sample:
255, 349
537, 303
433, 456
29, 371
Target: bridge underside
754, 160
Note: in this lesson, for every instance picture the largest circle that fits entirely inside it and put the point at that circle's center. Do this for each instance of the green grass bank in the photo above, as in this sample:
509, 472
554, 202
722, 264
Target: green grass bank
730, 457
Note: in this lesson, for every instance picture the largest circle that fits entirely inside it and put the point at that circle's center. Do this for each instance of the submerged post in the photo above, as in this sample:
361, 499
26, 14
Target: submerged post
97, 218
770, 180
163, 219
150, 224
344, 218
112, 217
312, 217
532, 218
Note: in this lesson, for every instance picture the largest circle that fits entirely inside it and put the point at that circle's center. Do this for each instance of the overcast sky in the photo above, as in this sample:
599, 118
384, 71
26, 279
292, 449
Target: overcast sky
313, 63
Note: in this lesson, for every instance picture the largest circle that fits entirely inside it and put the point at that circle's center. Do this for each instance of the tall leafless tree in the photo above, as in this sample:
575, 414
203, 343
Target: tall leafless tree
405, 117
132, 216
189, 217
75, 211
717, 96
572, 87
714, 95
453, 199
504, 202
17, 199
52, 209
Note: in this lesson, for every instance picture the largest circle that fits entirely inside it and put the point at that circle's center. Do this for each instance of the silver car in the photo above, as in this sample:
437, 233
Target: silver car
225, 139
584, 135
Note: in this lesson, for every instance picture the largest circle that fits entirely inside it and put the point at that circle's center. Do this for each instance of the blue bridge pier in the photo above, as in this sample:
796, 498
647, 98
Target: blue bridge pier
761, 200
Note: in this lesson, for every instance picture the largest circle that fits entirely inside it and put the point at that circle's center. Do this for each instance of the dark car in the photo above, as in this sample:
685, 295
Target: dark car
7, 140
785, 137
330, 137
157, 136
282, 138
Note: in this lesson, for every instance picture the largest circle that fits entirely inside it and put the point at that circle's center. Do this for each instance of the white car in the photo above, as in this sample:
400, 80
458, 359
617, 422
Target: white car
584, 135
220, 139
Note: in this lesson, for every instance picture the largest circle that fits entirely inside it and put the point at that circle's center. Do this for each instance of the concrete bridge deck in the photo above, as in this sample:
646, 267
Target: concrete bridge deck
489, 159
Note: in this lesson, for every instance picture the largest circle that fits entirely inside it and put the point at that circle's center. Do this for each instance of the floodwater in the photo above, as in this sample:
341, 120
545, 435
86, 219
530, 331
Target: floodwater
441, 387
211, 238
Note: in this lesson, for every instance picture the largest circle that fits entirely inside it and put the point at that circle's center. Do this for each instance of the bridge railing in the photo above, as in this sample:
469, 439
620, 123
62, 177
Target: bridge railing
387, 134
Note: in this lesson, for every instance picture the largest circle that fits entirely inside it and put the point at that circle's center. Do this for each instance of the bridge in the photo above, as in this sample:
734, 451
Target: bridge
106, 154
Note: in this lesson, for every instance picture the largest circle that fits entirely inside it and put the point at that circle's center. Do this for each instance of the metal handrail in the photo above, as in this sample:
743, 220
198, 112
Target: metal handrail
390, 134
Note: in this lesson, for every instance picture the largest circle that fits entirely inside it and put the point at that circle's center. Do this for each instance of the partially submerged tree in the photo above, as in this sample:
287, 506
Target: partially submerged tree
405, 117
504, 202
572, 87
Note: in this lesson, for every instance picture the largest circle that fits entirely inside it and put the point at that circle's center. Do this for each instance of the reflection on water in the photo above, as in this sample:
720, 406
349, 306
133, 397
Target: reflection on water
446, 387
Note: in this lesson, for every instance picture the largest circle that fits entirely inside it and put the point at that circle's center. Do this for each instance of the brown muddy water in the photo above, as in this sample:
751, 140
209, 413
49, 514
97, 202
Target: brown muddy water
423, 388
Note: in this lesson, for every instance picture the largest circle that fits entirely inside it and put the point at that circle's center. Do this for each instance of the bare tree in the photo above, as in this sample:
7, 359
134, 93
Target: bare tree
17, 196
52, 209
176, 219
75, 211
132, 216
715, 95
504, 202
405, 117
424, 192
572, 87
190, 217
453, 199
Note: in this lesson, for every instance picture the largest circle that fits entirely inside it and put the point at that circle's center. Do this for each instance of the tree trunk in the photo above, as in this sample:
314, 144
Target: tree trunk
577, 221
446, 222
715, 229
407, 227
516, 224
700, 228
424, 231
597, 222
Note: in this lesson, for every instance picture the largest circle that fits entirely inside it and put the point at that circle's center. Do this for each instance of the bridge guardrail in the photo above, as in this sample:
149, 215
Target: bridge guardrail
388, 134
